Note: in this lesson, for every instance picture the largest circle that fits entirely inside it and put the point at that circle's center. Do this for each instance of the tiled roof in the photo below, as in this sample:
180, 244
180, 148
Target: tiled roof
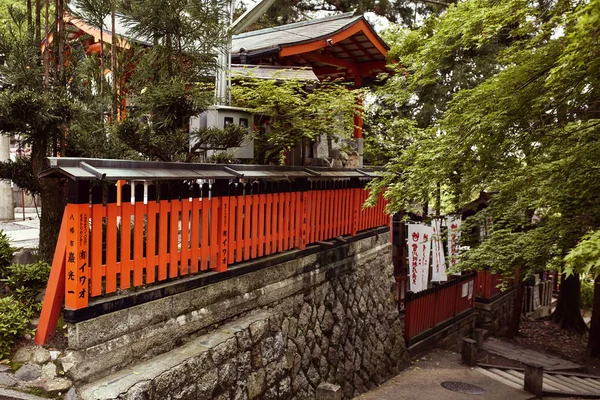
295, 33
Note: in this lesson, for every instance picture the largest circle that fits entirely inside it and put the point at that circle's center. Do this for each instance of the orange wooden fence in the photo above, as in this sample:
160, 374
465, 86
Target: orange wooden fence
137, 243
180, 219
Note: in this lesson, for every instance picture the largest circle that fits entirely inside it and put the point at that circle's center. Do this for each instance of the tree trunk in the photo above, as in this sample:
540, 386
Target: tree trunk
567, 314
47, 49
101, 59
38, 21
593, 346
113, 61
53, 204
515, 321
29, 18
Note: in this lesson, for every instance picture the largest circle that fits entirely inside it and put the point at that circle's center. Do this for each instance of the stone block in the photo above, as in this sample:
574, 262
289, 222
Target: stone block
149, 313
329, 391
469, 352
534, 378
100, 329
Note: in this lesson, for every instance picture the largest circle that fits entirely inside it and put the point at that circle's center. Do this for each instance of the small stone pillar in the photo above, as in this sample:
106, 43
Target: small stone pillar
479, 336
329, 391
469, 352
534, 379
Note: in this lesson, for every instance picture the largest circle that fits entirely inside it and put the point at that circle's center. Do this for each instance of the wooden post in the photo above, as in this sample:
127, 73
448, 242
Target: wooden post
220, 191
77, 246
55, 291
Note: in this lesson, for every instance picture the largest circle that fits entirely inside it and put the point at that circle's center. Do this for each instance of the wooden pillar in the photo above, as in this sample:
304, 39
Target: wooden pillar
358, 120
77, 247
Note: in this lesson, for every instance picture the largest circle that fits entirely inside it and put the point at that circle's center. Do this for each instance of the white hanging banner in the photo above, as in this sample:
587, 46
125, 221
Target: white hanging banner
454, 224
419, 248
438, 265
427, 233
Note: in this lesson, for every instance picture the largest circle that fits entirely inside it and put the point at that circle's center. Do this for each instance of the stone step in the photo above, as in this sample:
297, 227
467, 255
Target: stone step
195, 366
565, 383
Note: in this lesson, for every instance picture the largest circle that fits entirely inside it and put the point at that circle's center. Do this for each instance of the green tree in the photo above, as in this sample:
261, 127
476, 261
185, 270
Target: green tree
171, 79
585, 259
52, 112
296, 111
526, 129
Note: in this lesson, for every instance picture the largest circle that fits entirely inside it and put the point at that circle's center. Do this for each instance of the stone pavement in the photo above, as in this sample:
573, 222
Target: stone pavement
23, 233
423, 379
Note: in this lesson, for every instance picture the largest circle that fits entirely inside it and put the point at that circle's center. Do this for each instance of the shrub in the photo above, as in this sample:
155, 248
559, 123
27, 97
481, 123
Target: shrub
6, 253
14, 320
587, 293
25, 281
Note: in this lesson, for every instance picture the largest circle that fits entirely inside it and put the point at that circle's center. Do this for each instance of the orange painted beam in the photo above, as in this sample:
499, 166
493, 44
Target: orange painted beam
359, 27
55, 291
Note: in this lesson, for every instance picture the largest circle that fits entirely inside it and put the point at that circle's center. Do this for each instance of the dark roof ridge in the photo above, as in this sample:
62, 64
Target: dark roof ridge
347, 15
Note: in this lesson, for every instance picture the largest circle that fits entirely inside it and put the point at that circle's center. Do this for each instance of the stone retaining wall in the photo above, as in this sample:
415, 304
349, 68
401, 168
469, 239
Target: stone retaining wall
495, 316
328, 317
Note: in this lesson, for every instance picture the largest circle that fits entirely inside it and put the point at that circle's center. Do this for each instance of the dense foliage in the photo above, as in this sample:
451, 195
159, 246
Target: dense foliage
502, 97
19, 290
295, 110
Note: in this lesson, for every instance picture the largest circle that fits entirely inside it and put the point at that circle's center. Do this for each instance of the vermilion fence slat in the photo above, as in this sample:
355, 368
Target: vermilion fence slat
262, 202
163, 234
186, 207
195, 235
112, 211
174, 239
125, 244
254, 223
268, 223
138, 243
247, 216
96, 248
151, 258
204, 233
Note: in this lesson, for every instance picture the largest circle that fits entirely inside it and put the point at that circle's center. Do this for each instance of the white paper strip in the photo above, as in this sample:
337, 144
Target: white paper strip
454, 223
438, 265
419, 250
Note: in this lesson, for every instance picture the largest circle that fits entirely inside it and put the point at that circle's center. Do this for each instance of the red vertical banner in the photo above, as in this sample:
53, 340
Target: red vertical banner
77, 267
